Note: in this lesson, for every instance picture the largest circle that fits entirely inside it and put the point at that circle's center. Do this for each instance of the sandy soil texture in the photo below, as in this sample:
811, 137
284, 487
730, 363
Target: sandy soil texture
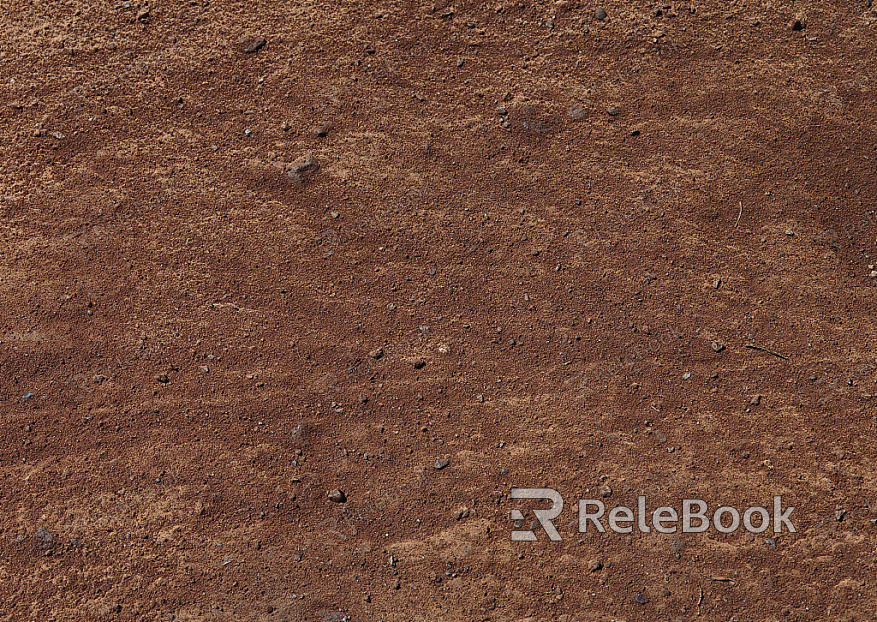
295, 293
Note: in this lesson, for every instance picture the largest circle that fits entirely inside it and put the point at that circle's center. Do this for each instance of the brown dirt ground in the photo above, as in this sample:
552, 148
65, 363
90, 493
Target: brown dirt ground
553, 267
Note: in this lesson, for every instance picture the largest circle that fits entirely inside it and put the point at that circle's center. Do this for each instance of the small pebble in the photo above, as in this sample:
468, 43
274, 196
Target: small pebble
322, 130
600, 13
577, 113
44, 537
377, 353
302, 170
336, 496
613, 111
254, 45
718, 347
606, 491
641, 598
755, 401
441, 463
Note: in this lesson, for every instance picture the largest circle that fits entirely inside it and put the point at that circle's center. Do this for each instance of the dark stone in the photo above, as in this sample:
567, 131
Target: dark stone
253, 45
302, 170
44, 538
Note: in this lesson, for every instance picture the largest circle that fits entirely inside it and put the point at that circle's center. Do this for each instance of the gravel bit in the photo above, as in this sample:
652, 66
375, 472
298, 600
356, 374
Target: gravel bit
253, 45
302, 170
44, 537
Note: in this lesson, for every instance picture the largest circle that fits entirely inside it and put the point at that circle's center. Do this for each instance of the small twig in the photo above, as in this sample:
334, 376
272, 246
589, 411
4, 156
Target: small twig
739, 215
755, 347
